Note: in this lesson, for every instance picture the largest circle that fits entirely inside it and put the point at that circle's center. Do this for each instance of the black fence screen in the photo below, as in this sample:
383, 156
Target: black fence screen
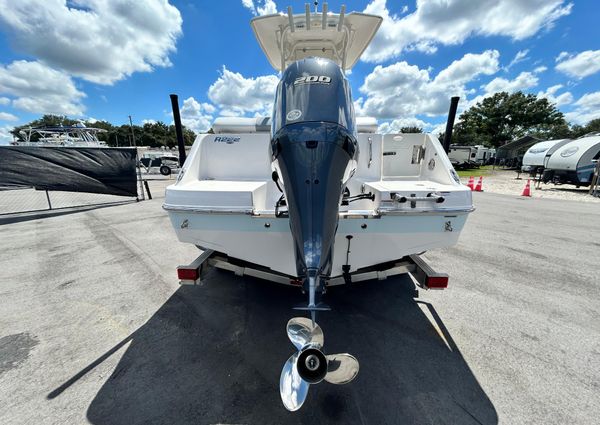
110, 171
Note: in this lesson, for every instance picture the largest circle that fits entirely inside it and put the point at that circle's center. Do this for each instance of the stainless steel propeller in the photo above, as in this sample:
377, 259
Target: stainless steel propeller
309, 365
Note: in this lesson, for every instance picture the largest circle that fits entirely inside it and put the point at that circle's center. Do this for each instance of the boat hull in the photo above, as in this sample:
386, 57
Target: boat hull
267, 241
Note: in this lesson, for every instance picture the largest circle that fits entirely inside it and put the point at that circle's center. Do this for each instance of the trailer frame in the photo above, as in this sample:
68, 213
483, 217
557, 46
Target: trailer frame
422, 273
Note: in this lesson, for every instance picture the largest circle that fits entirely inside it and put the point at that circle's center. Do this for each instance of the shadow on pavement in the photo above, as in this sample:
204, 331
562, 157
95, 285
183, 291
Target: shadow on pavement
56, 212
213, 354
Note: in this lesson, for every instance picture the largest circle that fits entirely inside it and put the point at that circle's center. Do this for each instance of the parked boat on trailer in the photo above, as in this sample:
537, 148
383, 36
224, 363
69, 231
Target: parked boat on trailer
313, 196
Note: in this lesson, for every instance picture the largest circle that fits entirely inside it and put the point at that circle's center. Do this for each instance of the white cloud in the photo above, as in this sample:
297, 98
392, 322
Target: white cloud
99, 40
519, 57
5, 136
453, 21
395, 125
260, 7
540, 69
580, 65
148, 121
249, 4
196, 116
40, 89
403, 90
235, 94
5, 116
523, 81
588, 108
4, 100
589, 100
561, 99
468, 67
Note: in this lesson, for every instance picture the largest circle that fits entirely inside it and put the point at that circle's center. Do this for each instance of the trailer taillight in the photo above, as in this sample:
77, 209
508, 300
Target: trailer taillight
187, 274
436, 282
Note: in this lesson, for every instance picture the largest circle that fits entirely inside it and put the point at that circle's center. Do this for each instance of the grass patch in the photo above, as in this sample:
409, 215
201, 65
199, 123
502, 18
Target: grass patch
481, 171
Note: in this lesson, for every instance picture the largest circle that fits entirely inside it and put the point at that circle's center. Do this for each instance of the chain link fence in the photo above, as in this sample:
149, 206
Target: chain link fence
26, 199
18, 200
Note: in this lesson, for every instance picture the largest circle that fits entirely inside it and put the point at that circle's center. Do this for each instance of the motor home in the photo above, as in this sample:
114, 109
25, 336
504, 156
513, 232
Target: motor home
484, 155
574, 162
470, 156
537, 156
462, 156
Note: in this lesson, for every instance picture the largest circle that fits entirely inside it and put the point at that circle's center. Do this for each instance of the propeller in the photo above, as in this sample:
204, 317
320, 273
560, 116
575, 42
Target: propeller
309, 365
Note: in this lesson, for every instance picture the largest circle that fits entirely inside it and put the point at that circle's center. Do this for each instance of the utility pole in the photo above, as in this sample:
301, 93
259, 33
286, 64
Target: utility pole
137, 161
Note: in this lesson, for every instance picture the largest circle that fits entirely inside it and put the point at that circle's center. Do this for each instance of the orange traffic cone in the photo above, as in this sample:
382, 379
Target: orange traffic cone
527, 190
471, 183
479, 184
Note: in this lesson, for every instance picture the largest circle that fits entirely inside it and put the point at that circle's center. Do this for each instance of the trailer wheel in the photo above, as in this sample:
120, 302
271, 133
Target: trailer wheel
165, 170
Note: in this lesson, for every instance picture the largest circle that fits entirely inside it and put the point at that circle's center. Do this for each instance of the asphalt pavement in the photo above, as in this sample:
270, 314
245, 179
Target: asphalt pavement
95, 329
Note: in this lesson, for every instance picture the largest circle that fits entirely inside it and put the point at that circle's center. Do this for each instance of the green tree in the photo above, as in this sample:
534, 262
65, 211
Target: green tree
593, 126
581, 130
504, 117
577, 131
410, 129
155, 135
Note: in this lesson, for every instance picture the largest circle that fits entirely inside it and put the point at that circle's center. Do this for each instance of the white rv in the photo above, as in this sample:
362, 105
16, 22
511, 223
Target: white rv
470, 156
484, 155
574, 163
462, 156
537, 156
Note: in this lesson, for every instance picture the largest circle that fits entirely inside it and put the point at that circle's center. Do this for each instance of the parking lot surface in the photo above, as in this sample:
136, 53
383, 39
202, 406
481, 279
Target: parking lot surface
95, 329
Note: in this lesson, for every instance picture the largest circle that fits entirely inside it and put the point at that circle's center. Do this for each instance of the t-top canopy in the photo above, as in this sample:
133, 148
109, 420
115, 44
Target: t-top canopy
339, 37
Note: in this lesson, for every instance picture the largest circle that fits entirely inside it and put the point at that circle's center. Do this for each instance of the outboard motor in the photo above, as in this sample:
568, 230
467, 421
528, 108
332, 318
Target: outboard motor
314, 153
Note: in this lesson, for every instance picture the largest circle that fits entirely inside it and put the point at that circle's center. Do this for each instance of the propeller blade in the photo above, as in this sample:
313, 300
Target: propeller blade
341, 368
302, 331
292, 387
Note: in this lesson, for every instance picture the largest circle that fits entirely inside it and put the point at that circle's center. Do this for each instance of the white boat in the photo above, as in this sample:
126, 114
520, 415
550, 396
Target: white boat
314, 196
226, 200
62, 136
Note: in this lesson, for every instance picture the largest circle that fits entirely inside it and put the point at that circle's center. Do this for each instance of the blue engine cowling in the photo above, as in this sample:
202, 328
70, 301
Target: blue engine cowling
314, 151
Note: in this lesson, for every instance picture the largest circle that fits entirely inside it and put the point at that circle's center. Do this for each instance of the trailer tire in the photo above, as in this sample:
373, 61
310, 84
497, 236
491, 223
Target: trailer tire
165, 170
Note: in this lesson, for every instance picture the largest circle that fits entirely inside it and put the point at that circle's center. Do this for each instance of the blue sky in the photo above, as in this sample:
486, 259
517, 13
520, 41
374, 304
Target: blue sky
107, 59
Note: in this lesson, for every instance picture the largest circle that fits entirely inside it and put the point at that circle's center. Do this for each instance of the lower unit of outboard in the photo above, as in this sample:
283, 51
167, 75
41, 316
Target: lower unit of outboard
313, 160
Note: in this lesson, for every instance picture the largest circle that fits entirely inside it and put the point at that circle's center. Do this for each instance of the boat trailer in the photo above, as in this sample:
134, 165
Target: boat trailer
424, 276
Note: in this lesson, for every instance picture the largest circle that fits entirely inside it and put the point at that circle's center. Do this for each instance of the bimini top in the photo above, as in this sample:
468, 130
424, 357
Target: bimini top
63, 135
339, 37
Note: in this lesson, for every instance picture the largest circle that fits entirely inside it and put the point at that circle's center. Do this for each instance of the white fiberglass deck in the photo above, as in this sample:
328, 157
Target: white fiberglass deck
224, 199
